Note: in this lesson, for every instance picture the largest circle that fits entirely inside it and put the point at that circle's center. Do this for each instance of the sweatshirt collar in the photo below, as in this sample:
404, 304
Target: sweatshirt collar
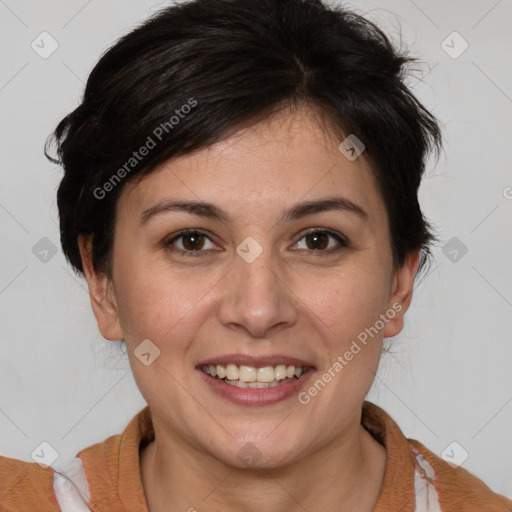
113, 467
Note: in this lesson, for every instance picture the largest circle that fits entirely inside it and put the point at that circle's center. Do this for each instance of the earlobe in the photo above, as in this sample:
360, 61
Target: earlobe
101, 294
401, 294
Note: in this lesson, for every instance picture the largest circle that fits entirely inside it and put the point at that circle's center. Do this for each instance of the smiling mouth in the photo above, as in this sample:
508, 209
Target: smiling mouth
255, 377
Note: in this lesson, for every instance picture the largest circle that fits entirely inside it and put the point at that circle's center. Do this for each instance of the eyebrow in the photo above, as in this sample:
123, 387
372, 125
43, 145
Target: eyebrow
297, 211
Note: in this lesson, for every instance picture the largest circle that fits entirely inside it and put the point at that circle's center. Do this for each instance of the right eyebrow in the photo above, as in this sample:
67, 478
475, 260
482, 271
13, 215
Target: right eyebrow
199, 208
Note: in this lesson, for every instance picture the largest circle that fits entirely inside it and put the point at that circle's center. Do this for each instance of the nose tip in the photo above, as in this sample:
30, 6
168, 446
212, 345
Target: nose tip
256, 298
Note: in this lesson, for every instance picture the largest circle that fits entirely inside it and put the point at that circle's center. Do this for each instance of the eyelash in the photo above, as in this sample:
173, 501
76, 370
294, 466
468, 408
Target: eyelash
343, 241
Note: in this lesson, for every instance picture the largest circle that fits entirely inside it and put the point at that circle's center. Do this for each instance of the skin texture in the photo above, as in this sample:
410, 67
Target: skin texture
291, 300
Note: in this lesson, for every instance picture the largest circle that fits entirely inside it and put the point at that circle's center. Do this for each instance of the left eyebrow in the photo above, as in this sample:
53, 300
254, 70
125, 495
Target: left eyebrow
297, 211
303, 209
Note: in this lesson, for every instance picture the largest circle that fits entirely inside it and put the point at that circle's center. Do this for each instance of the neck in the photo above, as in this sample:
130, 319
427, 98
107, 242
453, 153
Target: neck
345, 475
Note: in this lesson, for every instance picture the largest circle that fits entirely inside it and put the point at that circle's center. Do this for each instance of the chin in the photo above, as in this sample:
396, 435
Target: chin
257, 454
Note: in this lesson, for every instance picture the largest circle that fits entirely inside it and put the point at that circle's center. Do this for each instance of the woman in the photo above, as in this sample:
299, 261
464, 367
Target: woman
240, 192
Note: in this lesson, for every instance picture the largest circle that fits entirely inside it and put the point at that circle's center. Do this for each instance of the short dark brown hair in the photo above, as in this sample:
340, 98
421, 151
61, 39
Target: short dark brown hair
233, 62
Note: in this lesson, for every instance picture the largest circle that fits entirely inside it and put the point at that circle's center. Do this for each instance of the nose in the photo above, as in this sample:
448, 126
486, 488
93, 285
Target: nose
257, 297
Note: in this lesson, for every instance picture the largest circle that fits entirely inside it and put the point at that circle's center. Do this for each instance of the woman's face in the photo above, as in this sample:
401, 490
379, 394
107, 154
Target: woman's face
259, 290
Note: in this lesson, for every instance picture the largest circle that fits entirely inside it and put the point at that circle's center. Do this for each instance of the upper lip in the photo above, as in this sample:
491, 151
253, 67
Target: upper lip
256, 361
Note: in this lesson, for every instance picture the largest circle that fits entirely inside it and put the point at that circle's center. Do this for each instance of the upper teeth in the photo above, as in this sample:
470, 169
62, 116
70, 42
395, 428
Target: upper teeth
253, 374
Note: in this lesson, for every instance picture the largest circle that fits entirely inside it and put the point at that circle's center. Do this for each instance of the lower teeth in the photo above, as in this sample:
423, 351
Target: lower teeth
240, 384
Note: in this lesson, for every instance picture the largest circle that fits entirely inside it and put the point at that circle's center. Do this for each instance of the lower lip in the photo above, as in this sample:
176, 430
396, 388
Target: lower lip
256, 396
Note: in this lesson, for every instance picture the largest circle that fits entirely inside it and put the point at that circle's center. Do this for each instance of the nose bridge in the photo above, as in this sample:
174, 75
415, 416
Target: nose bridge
254, 274
256, 296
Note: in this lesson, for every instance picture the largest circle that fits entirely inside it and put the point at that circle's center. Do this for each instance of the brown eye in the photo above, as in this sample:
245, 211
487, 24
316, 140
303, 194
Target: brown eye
317, 240
193, 241
320, 241
190, 243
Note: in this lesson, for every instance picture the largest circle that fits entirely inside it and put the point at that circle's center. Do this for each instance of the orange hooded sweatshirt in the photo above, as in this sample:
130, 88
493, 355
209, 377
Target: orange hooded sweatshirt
105, 477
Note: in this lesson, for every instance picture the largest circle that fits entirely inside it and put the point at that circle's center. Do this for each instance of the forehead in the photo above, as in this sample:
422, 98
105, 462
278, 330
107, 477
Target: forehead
289, 157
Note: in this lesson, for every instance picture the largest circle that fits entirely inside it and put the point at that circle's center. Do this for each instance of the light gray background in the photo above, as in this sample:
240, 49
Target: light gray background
449, 378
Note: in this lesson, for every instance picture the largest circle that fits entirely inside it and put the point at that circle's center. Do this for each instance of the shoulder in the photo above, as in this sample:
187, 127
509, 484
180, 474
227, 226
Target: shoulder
437, 485
26, 487
459, 490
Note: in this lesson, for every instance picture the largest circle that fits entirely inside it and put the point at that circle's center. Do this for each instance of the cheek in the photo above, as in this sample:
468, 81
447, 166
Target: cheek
348, 309
349, 300
159, 303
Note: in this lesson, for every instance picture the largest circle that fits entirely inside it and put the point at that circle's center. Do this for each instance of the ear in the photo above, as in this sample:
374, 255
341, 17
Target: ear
401, 293
101, 293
